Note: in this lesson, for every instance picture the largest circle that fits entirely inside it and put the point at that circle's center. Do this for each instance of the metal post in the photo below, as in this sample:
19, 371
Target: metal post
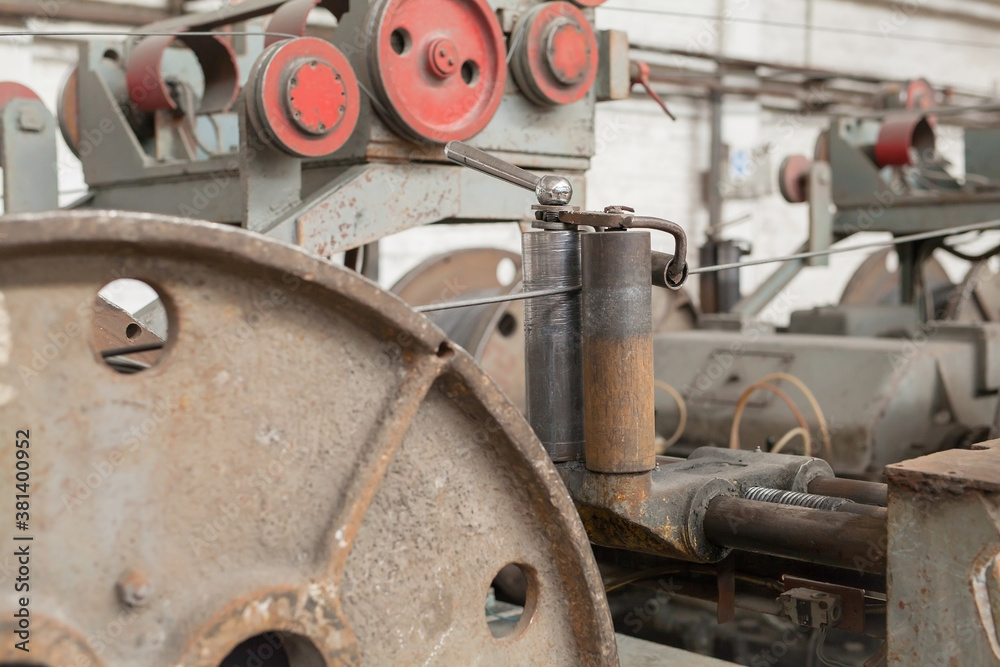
553, 360
619, 420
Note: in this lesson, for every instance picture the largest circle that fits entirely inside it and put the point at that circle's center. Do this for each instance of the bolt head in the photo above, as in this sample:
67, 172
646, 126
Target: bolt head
134, 588
554, 191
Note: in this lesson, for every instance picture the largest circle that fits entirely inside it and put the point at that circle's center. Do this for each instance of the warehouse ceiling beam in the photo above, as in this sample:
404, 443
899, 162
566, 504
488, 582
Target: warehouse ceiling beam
89, 11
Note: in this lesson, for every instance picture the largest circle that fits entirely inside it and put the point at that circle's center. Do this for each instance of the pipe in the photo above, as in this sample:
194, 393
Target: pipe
866, 493
553, 359
837, 539
619, 418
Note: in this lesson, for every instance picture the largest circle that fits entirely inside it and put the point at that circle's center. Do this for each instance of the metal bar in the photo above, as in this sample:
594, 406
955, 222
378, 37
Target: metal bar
553, 360
866, 493
837, 539
489, 300
619, 420
474, 158
899, 240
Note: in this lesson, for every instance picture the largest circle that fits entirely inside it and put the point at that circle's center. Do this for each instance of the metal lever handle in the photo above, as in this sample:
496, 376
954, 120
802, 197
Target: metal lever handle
550, 190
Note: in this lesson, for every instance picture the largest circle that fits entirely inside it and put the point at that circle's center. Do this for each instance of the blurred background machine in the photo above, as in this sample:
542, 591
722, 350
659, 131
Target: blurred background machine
732, 477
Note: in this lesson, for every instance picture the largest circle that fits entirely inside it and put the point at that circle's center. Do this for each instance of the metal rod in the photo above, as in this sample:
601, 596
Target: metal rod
489, 300
481, 161
993, 224
866, 493
838, 539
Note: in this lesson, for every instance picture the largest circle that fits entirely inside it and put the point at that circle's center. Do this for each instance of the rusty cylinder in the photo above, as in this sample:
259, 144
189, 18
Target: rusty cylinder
552, 358
619, 423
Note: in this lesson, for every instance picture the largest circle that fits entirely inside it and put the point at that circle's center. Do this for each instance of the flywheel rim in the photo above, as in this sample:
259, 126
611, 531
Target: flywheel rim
447, 528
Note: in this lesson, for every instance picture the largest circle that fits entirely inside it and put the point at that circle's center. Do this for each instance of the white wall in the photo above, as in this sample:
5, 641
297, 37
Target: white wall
647, 161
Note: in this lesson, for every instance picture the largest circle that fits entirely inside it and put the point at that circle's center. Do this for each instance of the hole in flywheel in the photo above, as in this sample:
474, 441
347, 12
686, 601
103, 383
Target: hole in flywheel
511, 600
507, 325
400, 41
129, 328
470, 72
275, 649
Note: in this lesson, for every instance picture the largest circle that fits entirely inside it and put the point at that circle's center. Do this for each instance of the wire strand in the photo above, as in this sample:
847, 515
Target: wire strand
490, 300
899, 240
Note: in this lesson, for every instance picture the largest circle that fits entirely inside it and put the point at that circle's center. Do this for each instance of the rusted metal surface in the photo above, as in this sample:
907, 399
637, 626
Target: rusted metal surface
554, 54
115, 329
866, 493
977, 297
304, 96
874, 285
617, 341
307, 458
68, 110
493, 335
944, 550
838, 539
438, 70
148, 87
662, 512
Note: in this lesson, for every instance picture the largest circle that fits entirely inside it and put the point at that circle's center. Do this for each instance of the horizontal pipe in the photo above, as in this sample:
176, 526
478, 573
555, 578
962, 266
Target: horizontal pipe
838, 539
866, 493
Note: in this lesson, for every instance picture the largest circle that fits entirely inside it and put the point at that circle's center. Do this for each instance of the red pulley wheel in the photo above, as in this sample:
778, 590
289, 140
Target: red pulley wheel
793, 175
555, 54
304, 97
437, 67
10, 91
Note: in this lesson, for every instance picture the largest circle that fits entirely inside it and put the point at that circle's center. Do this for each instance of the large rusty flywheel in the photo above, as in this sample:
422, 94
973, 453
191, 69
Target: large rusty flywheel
310, 474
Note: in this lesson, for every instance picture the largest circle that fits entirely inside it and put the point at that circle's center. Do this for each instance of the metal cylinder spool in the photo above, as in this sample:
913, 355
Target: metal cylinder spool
619, 414
553, 359
306, 459
437, 69
494, 335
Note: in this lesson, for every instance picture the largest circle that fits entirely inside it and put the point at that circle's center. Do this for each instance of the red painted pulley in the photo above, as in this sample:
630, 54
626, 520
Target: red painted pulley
793, 178
589, 3
10, 91
555, 54
303, 96
900, 136
437, 67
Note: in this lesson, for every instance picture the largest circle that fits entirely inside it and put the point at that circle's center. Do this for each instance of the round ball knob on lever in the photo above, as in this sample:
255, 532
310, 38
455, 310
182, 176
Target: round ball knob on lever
554, 191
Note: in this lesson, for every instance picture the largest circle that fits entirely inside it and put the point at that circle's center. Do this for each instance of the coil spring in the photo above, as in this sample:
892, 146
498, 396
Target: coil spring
810, 500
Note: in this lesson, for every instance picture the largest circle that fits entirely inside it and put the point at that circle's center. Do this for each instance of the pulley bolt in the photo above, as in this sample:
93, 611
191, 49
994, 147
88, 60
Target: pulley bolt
443, 57
134, 588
